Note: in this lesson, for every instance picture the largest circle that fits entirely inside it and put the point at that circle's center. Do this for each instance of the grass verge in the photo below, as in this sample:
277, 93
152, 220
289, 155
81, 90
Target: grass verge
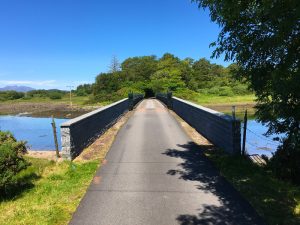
278, 202
48, 194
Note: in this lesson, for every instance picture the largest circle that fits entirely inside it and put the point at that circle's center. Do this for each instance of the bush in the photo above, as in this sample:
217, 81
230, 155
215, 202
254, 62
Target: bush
11, 159
55, 95
240, 89
214, 91
10, 95
285, 162
186, 94
81, 93
37, 93
225, 91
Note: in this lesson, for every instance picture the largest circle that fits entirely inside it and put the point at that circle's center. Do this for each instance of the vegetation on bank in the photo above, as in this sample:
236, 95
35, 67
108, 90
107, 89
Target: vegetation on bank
11, 162
13, 95
49, 192
277, 201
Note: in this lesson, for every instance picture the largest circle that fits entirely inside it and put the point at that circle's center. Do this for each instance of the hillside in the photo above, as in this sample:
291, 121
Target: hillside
16, 88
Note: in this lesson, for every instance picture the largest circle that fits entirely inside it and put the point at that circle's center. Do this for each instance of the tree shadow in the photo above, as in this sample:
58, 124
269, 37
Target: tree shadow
234, 208
17, 188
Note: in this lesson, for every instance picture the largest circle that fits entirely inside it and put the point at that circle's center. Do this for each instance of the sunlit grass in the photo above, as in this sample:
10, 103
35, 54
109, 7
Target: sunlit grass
52, 195
77, 100
216, 99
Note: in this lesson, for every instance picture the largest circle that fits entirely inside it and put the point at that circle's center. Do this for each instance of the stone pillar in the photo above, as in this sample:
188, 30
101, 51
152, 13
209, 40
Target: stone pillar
66, 143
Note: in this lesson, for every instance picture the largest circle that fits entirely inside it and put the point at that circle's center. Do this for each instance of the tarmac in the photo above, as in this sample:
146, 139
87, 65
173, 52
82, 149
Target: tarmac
154, 174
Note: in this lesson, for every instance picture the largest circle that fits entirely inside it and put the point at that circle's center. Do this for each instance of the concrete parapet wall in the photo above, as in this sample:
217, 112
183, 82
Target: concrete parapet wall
78, 133
220, 129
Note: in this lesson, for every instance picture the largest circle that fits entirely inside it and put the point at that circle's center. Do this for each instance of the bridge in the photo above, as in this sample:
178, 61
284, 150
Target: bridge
155, 174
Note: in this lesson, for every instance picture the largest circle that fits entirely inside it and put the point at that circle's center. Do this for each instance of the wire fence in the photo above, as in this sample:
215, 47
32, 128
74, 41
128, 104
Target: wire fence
257, 143
264, 138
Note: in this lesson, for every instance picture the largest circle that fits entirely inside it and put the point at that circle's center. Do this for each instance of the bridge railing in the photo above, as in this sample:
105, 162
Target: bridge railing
78, 133
133, 99
222, 130
166, 98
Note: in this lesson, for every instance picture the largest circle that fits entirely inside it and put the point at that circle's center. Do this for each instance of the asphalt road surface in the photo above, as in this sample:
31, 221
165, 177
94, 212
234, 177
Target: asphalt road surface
154, 174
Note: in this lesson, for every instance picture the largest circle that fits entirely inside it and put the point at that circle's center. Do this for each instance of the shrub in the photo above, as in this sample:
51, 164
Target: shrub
285, 162
55, 95
81, 92
10, 95
240, 89
214, 91
11, 159
225, 91
186, 94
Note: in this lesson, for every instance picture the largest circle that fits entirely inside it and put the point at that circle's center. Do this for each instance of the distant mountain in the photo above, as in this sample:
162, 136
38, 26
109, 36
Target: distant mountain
16, 88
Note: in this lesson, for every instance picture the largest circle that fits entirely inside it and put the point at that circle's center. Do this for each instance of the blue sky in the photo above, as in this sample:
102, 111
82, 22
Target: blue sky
55, 43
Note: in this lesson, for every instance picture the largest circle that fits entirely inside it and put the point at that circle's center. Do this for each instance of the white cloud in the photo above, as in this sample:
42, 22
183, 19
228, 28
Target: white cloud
48, 83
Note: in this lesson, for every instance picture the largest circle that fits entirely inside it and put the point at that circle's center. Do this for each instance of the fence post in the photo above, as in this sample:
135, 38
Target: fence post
233, 112
169, 100
244, 133
55, 137
130, 101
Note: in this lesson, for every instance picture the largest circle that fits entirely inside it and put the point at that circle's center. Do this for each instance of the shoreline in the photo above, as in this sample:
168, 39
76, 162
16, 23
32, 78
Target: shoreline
44, 109
43, 154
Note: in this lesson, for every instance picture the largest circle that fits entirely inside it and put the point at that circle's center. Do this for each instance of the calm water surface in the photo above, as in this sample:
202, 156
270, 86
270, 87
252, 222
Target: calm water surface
256, 142
36, 131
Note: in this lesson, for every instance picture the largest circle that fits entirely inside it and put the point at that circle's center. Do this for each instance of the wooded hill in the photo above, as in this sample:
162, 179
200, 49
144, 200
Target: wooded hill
149, 75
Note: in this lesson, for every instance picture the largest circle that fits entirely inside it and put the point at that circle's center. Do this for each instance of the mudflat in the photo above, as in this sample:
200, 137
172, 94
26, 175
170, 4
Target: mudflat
44, 109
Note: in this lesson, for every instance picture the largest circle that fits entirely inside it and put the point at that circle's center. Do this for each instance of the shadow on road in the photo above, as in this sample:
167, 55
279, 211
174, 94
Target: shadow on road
196, 167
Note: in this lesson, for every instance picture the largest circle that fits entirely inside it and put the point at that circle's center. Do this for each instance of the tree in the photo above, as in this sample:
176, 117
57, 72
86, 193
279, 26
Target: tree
139, 68
263, 37
169, 74
114, 65
84, 89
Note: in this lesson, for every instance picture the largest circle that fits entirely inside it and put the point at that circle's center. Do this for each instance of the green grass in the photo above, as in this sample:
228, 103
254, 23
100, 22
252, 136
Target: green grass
216, 99
76, 100
204, 99
278, 202
79, 101
50, 194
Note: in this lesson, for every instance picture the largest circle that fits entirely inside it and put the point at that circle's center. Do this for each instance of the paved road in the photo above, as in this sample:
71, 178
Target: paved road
154, 174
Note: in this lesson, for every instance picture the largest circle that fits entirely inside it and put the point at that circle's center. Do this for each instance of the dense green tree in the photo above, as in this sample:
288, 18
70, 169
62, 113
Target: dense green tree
264, 39
139, 68
169, 74
84, 89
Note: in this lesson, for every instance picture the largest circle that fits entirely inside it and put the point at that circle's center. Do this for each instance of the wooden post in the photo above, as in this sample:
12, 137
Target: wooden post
244, 133
55, 137
233, 112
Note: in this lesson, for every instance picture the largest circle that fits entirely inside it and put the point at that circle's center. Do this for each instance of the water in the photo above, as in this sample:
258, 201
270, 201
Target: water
257, 143
39, 135
36, 131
